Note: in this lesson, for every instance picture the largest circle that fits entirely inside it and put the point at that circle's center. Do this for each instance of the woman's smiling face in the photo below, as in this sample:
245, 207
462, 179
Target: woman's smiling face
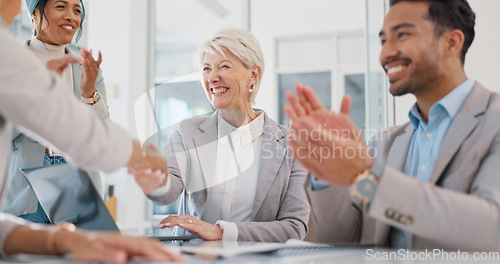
62, 20
226, 80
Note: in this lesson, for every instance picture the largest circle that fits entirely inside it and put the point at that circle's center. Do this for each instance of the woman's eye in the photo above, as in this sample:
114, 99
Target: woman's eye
78, 11
224, 66
206, 69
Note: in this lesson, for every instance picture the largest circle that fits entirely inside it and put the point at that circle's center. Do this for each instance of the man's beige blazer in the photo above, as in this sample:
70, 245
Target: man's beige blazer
459, 208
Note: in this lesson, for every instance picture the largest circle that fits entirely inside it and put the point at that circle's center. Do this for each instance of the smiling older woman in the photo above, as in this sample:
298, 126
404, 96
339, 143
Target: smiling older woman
232, 166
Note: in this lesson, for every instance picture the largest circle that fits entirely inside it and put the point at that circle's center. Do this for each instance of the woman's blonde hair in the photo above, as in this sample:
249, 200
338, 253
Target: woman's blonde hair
242, 44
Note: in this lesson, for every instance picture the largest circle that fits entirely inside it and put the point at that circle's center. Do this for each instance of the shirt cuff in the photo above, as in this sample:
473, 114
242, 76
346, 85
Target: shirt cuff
101, 108
229, 230
317, 185
162, 190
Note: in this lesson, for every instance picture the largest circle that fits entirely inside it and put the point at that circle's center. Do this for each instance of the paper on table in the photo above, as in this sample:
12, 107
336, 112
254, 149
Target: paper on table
219, 249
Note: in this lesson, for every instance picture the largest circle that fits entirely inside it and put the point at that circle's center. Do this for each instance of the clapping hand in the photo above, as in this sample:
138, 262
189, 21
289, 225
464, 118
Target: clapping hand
90, 72
327, 143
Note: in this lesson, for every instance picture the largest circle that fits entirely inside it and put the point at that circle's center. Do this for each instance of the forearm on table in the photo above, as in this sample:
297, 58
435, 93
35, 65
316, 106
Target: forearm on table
52, 240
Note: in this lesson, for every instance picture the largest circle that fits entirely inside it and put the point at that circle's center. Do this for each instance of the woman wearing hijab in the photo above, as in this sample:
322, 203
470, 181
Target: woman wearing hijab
55, 23
27, 90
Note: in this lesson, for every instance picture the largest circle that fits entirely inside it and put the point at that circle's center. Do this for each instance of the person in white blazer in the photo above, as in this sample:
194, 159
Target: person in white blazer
232, 168
55, 24
27, 90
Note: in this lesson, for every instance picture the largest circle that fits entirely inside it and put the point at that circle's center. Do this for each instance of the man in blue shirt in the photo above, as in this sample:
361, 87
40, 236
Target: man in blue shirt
430, 183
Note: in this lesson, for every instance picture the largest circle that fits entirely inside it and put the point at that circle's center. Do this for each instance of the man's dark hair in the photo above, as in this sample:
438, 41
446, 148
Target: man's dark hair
448, 15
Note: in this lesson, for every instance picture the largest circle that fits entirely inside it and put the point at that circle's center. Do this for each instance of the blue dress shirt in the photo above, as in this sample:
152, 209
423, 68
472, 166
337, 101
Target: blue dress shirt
426, 142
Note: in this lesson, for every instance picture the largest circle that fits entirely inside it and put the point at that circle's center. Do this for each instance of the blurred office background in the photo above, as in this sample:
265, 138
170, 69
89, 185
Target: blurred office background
148, 51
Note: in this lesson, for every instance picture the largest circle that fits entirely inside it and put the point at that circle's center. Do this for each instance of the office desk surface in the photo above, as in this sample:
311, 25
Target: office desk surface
319, 258
344, 256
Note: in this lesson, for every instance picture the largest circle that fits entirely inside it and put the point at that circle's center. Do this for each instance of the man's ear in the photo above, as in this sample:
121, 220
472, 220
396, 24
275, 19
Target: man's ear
454, 41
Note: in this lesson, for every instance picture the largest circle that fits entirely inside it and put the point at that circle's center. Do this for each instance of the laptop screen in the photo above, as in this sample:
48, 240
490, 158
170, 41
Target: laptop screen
67, 194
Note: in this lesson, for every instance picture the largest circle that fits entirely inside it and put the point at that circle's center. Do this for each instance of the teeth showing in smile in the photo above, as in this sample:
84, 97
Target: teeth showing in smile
68, 27
219, 90
396, 69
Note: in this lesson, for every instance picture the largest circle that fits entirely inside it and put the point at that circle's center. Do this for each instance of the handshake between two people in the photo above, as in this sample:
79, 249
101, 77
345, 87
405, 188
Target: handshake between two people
151, 173
148, 166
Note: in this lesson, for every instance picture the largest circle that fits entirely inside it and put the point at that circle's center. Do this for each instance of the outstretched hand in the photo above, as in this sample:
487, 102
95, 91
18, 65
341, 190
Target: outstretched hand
149, 168
327, 143
59, 65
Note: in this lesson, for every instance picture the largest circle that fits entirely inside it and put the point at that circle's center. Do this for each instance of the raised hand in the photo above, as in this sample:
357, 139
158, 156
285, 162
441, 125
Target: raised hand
325, 142
90, 72
194, 226
59, 65
308, 106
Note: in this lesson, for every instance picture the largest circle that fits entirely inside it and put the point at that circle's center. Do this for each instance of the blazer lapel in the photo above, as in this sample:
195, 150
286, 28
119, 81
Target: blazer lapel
464, 122
77, 71
206, 145
399, 148
268, 168
395, 159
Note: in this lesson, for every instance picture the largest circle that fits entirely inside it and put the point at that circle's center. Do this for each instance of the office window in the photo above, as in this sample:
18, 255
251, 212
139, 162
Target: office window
321, 81
310, 52
355, 87
332, 64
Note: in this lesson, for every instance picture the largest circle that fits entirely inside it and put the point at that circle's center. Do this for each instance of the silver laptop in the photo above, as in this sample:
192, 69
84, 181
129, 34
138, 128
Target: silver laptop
67, 194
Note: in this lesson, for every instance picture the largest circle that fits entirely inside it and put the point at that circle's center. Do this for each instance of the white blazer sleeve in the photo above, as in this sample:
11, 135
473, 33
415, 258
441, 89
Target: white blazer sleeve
38, 101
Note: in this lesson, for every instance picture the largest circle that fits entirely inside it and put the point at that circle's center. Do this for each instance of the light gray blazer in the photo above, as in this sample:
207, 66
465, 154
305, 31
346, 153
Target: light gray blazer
26, 152
280, 211
458, 209
23, 97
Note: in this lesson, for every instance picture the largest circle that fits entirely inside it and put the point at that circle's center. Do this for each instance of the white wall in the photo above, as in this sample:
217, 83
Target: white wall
481, 62
119, 29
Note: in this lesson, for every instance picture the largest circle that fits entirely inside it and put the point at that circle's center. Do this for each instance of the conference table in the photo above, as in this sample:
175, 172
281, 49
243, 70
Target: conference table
295, 252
